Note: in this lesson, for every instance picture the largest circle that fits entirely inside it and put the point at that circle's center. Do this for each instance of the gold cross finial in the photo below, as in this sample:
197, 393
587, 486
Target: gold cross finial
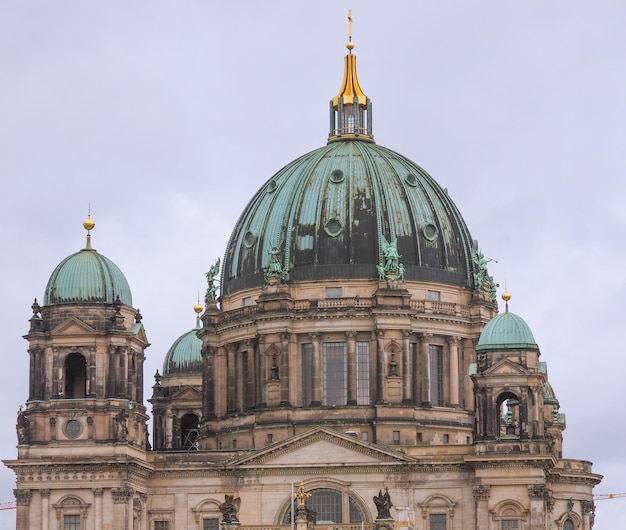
350, 24
301, 496
350, 44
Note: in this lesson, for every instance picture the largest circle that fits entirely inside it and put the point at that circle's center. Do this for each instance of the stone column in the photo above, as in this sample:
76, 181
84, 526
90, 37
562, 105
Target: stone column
481, 502
425, 367
468, 387
380, 366
122, 508
250, 392
169, 428
537, 494
407, 372
295, 394
239, 383
208, 381
45, 509
454, 370
261, 372
317, 370
97, 494
352, 368
231, 386
22, 499
284, 369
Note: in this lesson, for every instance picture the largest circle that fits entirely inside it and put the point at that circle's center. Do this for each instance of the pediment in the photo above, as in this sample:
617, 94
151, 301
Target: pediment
322, 447
187, 393
73, 326
506, 367
140, 332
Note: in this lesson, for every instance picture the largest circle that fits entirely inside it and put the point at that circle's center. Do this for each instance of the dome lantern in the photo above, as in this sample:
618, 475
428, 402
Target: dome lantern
350, 109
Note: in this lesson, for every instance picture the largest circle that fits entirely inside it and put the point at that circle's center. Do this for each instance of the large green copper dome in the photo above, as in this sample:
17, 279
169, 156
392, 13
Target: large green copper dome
87, 276
334, 212
505, 332
185, 355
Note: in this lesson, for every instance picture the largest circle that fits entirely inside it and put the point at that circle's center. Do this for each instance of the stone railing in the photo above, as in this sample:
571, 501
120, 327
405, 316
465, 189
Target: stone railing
421, 306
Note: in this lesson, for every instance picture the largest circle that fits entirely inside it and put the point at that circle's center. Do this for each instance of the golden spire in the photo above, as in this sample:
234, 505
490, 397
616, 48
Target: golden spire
350, 109
350, 87
88, 225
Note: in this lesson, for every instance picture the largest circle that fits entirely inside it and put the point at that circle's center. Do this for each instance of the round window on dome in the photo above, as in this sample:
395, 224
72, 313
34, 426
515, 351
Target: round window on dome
333, 227
337, 176
271, 186
73, 428
411, 180
249, 239
429, 231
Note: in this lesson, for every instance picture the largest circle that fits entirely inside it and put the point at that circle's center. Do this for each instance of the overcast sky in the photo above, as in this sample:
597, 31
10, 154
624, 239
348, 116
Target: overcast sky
166, 117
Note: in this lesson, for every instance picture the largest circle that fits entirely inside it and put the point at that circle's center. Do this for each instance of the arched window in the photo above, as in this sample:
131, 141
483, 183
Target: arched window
189, 430
331, 506
75, 376
568, 524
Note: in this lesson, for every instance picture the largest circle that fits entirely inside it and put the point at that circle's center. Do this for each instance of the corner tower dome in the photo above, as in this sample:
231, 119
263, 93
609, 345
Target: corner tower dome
331, 213
506, 331
185, 355
87, 276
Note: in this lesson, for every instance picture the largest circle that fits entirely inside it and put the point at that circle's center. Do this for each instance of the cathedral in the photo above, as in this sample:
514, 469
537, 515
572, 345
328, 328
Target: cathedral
350, 368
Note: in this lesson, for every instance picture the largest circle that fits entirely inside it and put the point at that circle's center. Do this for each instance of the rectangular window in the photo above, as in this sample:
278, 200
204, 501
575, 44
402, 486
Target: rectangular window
247, 301
211, 524
509, 524
436, 375
419, 438
438, 521
71, 522
269, 438
363, 373
434, 296
396, 437
334, 359
307, 374
446, 438
161, 525
364, 436
334, 292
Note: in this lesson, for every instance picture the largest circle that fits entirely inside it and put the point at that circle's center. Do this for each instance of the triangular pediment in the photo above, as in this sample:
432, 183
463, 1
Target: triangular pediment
73, 326
187, 393
506, 367
322, 447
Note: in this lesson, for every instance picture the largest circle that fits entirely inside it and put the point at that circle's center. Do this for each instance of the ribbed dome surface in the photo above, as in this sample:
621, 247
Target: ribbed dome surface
325, 215
87, 276
506, 331
185, 355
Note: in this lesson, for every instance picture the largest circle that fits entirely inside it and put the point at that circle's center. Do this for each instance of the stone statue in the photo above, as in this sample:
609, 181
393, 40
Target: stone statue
23, 428
229, 509
210, 277
390, 268
275, 273
121, 427
482, 280
383, 504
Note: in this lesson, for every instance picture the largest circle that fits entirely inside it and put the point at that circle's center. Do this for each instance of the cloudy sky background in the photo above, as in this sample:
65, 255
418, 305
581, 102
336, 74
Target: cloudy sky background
167, 116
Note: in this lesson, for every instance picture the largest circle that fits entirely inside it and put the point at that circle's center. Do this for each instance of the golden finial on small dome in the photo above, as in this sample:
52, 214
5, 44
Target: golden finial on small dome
88, 224
198, 307
506, 296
